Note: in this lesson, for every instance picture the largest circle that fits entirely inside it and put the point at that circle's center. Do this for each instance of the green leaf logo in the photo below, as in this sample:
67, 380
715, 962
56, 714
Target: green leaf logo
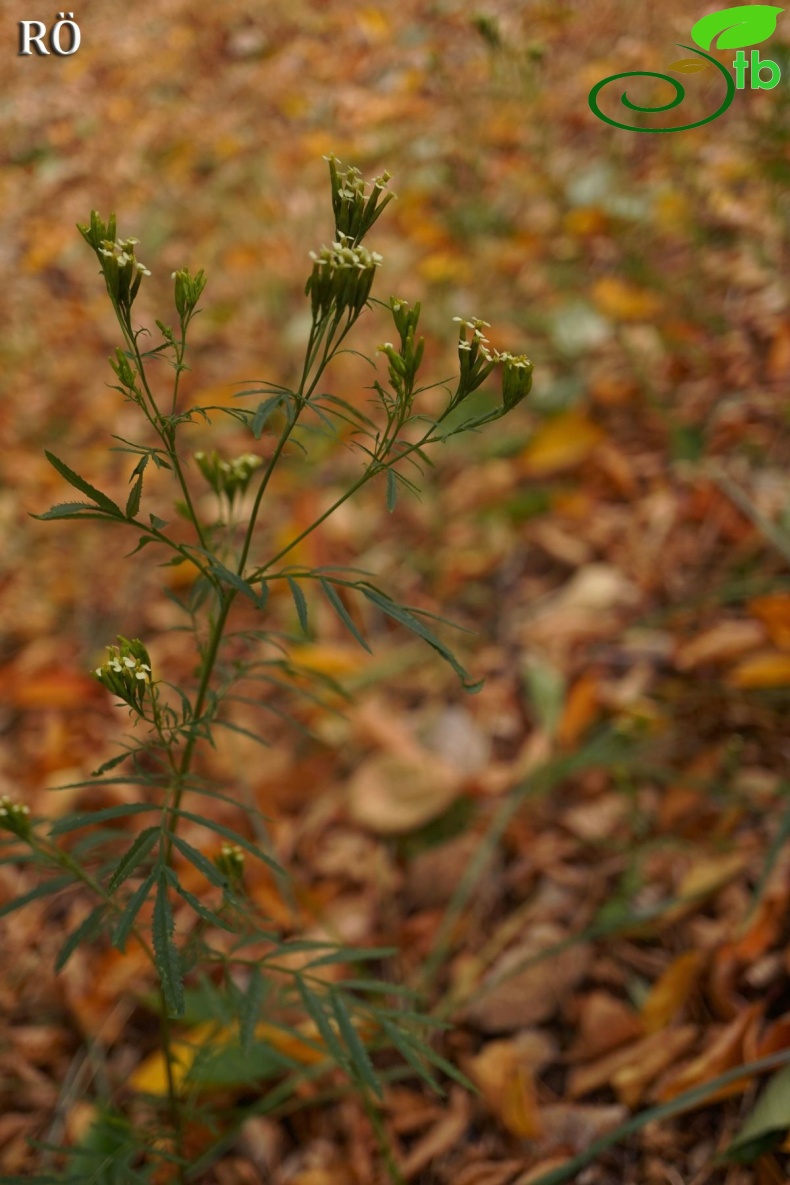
746, 24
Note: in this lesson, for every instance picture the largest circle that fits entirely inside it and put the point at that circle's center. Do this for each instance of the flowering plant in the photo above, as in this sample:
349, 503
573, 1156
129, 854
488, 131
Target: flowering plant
130, 876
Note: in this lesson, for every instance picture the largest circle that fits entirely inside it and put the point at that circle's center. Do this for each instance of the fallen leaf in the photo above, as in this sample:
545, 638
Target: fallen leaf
723, 1053
392, 795
623, 301
670, 992
638, 1064
507, 1083
560, 443
724, 641
604, 1023
774, 613
519, 998
771, 668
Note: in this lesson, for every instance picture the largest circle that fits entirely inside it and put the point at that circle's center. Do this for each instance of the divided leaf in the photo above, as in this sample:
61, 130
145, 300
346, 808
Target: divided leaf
84, 486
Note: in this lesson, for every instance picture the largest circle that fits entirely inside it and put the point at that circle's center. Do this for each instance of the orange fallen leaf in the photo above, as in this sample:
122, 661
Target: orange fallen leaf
671, 990
560, 443
508, 1086
774, 613
617, 298
582, 705
724, 1053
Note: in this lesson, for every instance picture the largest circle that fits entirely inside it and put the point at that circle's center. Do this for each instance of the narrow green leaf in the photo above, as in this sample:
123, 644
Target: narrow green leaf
168, 963
201, 910
264, 411
404, 617
134, 857
392, 491
767, 1122
199, 861
401, 1038
131, 910
315, 1009
251, 1009
133, 501
142, 542
235, 581
71, 510
45, 889
300, 603
360, 1059
84, 486
86, 818
111, 763
234, 837
409, 1055
82, 933
342, 612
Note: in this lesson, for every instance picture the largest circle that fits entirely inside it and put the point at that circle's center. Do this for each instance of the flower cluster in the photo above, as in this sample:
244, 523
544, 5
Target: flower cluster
227, 477
477, 361
120, 267
14, 817
127, 671
342, 277
354, 210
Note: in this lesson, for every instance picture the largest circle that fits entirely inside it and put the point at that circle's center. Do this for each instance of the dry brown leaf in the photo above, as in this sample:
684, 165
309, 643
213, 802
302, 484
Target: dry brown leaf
604, 1022
574, 1126
442, 1137
531, 995
723, 1053
670, 992
639, 1063
722, 642
507, 1083
392, 795
598, 819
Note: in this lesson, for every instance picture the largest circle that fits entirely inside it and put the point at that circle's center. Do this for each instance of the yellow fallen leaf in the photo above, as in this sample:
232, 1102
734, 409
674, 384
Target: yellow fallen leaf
508, 1087
710, 874
560, 443
671, 991
330, 660
771, 668
617, 298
